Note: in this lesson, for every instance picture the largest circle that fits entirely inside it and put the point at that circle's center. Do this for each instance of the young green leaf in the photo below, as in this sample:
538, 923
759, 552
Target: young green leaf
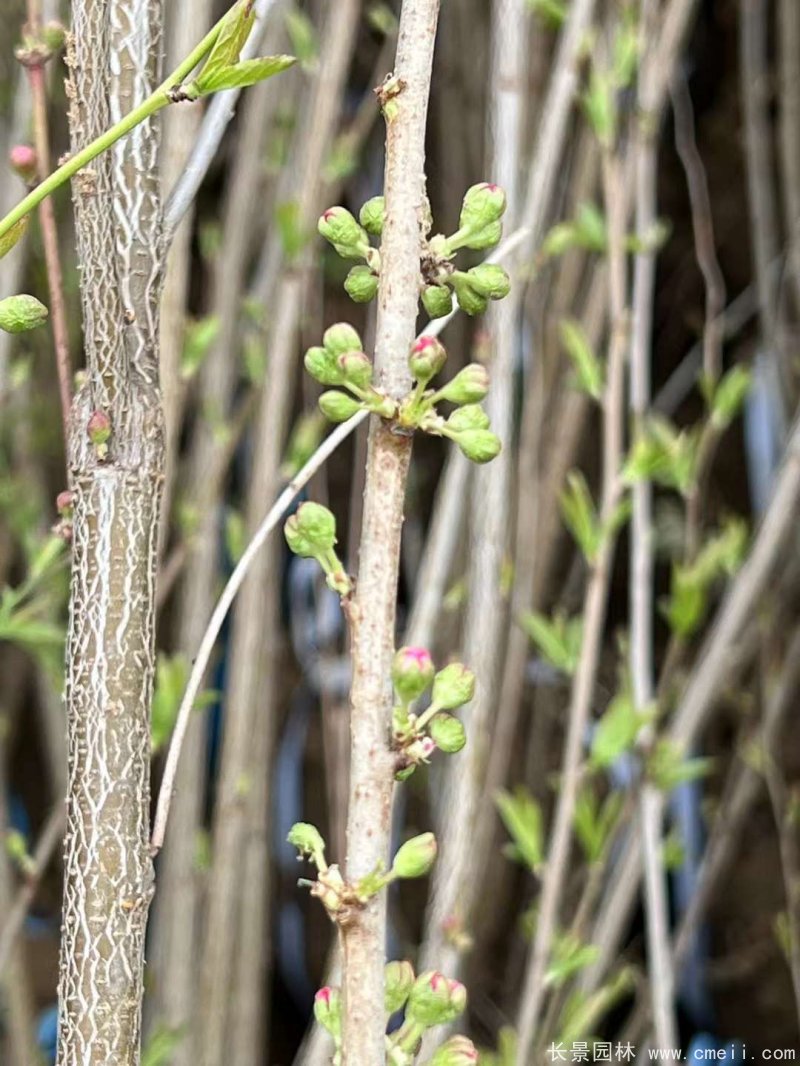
240, 76
557, 638
522, 817
588, 369
577, 507
668, 767
596, 822
616, 731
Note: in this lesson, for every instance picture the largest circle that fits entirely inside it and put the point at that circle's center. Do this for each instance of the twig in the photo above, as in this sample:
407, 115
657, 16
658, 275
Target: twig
661, 976
35, 67
274, 515
790, 864
594, 613
788, 45
388, 457
50, 838
703, 224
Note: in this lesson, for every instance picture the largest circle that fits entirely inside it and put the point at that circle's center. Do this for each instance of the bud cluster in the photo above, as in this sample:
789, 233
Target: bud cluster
429, 1000
340, 361
37, 48
468, 425
416, 736
350, 239
413, 859
480, 227
311, 533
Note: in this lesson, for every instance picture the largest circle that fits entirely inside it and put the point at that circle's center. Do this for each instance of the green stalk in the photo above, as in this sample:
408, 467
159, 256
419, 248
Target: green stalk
158, 100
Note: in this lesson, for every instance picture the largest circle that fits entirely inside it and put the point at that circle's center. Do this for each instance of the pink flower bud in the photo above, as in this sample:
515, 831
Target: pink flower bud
412, 673
64, 502
23, 160
99, 427
427, 359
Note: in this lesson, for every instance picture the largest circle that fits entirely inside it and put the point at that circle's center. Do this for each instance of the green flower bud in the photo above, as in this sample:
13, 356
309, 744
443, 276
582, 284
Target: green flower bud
453, 686
490, 280
372, 214
341, 338
21, 313
469, 300
412, 673
479, 445
99, 428
356, 369
471, 416
308, 841
434, 1000
54, 35
328, 1010
311, 530
470, 385
448, 732
338, 406
437, 300
361, 284
458, 1051
427, 359
398, 981
416, 857
339, 227
323, 366
483, 205
488, 237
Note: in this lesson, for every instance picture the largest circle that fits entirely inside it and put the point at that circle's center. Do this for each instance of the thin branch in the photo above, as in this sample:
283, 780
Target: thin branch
234, 583
51, 837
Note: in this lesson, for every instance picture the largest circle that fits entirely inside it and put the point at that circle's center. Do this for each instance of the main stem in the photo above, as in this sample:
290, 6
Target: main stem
389, 453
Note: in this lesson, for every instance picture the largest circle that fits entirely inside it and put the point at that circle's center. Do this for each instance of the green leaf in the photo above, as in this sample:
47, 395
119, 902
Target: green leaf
663, 454
172, 673
626, 52
600, 107
590, 225
667, 766
197, 341
577, 507
235, 535
15, 234
240, 76
160, 1048
553, 12
522, 817
570, 956
557, 638
233, 33
725, 401
588, 369
616, 731
595, 822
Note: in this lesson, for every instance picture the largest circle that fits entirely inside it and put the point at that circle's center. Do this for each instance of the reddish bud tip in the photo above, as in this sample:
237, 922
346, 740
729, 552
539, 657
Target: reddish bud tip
23, 160
64, 502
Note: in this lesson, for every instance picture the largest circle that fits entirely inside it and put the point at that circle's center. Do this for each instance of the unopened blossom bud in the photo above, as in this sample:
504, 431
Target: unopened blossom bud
490, 280
21, 313
339, 227
356, 369
308, 841
453, 686
372, 215
23, 160
328, 1010
99, 427
483, 205
341, 338
437, 300
64, 502
323, 366
470, 416
458, 1051
412, 673
338, 406
398, 981
361, 284
427, 359
311, 530
479, 445
470, 385
448, 733
469, 299
434, 1000
416, 857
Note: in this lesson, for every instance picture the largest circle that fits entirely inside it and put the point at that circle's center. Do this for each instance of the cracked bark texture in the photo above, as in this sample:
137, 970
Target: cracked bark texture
108, 878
